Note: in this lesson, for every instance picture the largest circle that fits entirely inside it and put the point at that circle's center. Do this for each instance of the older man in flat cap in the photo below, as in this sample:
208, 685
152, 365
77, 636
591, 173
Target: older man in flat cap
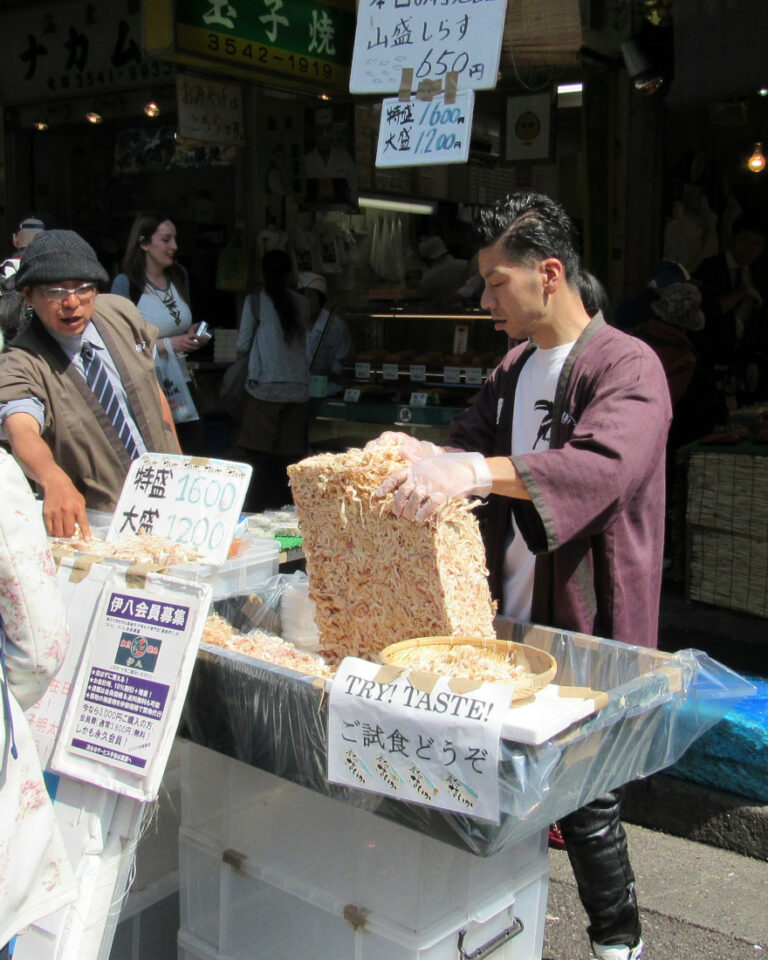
79, 398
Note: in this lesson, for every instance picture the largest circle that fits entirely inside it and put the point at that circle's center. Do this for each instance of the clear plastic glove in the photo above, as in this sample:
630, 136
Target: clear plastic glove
427, 484
410, 447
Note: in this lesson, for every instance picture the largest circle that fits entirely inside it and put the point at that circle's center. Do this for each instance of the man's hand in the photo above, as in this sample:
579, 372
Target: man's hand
410, 447
63, 506
428, 483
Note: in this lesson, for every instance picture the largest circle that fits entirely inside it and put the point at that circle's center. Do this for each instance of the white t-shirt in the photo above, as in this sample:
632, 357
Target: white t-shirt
531, 430
166, 309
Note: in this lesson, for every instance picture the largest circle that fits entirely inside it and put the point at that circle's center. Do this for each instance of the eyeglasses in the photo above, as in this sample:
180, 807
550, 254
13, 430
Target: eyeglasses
58, 294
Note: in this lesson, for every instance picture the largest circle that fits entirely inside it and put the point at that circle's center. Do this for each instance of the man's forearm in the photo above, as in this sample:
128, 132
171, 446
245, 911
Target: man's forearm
506, 481
30, 450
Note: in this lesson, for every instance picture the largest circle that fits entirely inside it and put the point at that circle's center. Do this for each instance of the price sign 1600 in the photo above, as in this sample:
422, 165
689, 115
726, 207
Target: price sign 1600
418, 132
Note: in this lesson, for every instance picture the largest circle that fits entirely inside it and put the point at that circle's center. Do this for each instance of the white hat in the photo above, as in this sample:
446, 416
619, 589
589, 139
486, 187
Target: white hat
312, 281
29, 228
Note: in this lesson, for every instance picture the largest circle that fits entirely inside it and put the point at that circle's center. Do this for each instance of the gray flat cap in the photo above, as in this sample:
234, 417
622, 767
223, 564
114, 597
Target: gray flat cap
56, 255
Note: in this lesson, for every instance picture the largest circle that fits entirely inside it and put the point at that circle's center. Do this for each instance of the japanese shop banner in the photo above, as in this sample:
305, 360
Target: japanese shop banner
309, 41
432, 39
417, 737
210, 110
417, 132
127, 697
73, 48
193, 501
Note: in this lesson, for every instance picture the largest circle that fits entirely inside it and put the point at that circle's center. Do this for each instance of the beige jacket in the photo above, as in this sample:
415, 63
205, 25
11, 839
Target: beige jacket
84, 442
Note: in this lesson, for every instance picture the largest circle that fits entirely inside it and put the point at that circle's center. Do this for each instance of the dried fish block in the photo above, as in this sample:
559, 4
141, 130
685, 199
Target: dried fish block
376, 578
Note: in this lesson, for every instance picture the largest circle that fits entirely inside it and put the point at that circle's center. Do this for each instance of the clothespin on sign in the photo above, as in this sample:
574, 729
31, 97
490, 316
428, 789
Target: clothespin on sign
406, 82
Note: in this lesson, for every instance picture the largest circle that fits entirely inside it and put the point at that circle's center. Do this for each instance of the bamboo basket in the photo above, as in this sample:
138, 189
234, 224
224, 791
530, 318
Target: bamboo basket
541, 667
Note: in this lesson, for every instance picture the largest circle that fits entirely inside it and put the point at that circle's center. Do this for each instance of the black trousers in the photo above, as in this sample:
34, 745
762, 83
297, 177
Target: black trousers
597, 848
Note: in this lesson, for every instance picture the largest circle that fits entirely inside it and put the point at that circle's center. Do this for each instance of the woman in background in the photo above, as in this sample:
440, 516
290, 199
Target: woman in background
159, 287
273, 429
35, 875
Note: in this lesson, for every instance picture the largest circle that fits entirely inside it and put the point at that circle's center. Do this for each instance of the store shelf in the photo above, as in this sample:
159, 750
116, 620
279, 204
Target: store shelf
382, 412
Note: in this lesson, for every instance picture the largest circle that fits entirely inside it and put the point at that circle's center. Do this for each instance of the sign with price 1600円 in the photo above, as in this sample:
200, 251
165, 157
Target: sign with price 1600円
416, 132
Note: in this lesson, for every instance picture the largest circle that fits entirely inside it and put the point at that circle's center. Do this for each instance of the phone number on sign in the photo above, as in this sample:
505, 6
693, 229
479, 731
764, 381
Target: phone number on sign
269, 58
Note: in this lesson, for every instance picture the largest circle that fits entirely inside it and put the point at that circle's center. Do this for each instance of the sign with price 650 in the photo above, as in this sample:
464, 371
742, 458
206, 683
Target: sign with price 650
192, 501
415, 132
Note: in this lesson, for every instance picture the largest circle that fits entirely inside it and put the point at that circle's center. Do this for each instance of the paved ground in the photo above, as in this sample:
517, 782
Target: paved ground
700, 856
697, 902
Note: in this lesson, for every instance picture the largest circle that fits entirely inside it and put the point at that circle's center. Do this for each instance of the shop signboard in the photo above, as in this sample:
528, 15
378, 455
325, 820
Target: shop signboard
431, 39
416, 132
417, 737
309, 41
74, 48
126, 700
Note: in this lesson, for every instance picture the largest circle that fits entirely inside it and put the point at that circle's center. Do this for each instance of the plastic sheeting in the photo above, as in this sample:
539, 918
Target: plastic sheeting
658, 704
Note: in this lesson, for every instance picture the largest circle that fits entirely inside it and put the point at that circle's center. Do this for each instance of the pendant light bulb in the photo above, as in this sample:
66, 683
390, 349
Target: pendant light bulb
756, 162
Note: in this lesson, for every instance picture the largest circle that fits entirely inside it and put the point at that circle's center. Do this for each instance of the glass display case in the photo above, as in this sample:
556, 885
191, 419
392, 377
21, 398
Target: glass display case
414, 368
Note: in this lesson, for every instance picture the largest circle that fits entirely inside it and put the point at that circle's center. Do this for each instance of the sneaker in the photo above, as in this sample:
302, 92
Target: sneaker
616, 951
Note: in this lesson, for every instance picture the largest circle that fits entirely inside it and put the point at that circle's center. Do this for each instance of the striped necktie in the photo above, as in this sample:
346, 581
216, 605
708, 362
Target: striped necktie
98, 381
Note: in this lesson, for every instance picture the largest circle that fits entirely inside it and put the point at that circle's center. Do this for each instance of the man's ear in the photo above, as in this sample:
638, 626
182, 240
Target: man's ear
554, 274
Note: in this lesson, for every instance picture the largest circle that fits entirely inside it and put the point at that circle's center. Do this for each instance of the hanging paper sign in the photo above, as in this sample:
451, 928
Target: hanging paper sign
129, 691
393, 35
389, 371
351, 395
418, 372
451, 374
362, 370
417, 737
473, 375
418, 132
418, 400
209, 110
193, 501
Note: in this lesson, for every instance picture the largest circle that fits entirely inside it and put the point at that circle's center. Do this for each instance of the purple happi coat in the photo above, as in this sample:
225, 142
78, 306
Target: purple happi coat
596, 518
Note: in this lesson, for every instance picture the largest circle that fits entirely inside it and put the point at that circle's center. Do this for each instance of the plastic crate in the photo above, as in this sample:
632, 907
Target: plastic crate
330, 854
239, 575
240, 911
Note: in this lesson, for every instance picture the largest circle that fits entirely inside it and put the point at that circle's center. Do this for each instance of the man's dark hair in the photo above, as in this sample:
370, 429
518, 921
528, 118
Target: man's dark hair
531, 227
749, 223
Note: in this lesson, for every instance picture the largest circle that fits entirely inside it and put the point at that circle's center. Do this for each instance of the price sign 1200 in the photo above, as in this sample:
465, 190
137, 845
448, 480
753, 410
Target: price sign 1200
415, 132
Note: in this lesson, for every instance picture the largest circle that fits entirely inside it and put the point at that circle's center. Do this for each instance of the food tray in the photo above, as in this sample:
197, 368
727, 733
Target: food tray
540, 665
656, 705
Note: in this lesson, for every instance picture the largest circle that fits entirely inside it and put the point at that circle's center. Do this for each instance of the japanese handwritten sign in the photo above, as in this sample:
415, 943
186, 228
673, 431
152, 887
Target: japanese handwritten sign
417, 132
425, 742
129, 690
194, 502
75, 47
310, 40
210, 110
433, 37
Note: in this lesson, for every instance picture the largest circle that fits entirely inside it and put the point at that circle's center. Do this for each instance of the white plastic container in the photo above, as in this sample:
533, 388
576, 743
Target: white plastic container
297, 616
267, 914
238, 575
250, 839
